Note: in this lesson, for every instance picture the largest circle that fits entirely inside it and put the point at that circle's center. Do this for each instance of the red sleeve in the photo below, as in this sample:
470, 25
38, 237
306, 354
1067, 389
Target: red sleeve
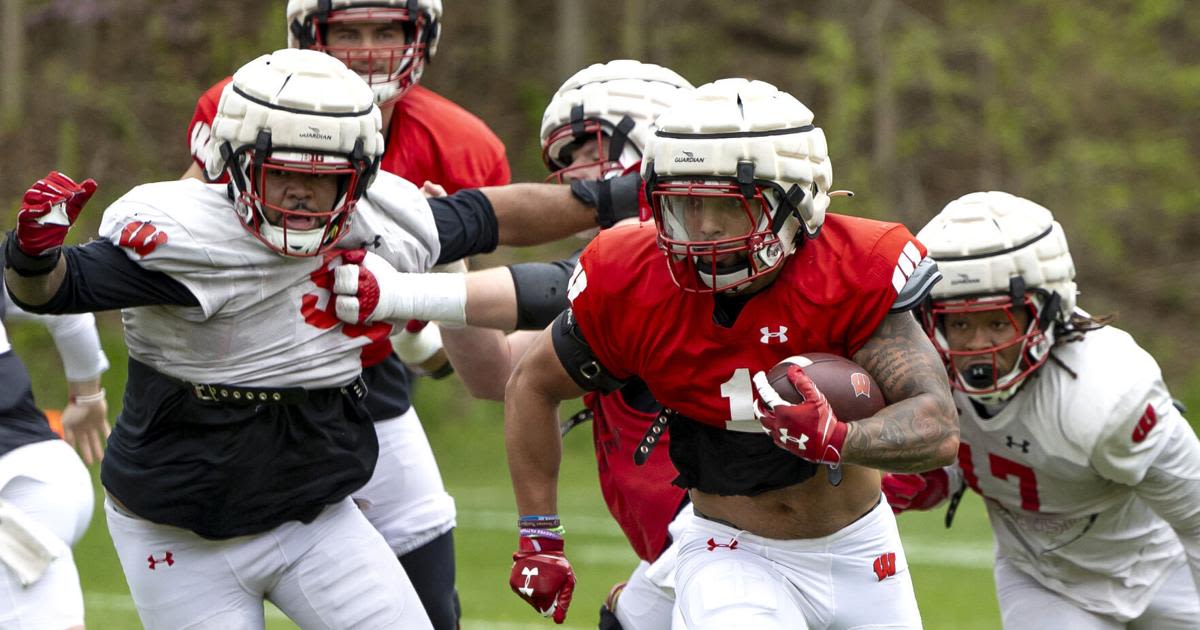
501, 175
890, 260
589, 294
200, 129
484, 163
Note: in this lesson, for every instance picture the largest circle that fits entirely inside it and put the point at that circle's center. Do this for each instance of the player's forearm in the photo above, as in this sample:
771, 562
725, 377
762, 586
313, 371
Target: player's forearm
481, 359
1171, 488
491, 299
78, 344
531, 214
914, 435
919, 431
531, 433
34, 291
534, 446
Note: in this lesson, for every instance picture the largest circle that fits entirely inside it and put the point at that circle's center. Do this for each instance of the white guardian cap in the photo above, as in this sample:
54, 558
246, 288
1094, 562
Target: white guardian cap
735, 145
615, 103
998, 252
296, 111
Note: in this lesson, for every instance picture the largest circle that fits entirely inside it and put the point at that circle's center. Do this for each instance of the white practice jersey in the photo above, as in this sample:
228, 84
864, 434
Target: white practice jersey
264, 320
1057, 467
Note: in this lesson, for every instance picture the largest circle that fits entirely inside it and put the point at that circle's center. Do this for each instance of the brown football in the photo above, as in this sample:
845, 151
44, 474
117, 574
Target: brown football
851, 391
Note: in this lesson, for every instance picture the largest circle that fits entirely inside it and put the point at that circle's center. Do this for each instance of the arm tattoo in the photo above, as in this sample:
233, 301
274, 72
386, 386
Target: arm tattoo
918, 431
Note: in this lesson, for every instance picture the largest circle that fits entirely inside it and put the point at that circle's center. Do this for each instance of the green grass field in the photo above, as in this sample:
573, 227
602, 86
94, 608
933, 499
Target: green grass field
951, 568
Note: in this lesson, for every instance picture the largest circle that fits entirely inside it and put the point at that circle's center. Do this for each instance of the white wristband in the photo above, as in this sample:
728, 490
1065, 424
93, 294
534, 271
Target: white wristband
89, 399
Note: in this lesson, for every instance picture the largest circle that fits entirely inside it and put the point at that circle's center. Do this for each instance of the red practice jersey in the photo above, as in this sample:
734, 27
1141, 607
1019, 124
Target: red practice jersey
641, 498
830, 297
430, 139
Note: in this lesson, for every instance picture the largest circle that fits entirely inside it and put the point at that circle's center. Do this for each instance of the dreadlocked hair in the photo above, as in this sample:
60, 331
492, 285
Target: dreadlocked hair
1080, 324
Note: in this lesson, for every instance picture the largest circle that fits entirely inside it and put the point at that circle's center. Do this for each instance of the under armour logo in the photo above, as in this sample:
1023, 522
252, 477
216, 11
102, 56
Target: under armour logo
167, 558
785, 438
779, 337
885, 566
731, 545
1023, 444
374, 243
529, 573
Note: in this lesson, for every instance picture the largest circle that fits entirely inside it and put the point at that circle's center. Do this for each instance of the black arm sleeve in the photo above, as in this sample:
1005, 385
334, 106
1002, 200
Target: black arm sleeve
100, 277
541, 290
466, 225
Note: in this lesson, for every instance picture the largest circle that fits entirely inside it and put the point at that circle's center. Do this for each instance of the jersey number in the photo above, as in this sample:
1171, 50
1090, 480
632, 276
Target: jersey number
740, 392
1002, 468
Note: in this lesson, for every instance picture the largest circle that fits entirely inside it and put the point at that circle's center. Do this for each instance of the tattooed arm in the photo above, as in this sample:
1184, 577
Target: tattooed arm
919, 430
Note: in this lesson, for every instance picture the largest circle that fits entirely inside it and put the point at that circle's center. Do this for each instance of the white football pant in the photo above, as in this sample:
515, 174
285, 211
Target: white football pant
334, 573
1027, 605
649, 596
405, 499
48, 483
854, 578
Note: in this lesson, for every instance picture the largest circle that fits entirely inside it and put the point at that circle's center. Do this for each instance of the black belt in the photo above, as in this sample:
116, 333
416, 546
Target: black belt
237, 394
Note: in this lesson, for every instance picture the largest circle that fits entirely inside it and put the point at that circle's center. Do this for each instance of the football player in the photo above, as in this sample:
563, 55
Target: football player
244, 430
1090, 476
427, 138
596, 125
45, 491
740, 269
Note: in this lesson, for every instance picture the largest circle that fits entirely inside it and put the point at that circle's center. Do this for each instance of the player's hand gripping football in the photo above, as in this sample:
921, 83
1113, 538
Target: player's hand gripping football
810, 429
48, 210
923, 491
542, 576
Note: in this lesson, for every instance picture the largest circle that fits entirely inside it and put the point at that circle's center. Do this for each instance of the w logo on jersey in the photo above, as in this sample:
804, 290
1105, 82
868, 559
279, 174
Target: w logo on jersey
142, 237
861, 384
885, 566
779, 336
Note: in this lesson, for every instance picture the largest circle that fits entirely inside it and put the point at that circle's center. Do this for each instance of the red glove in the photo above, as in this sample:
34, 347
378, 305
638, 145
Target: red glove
48, 210
923, 491
542, 576
809, 430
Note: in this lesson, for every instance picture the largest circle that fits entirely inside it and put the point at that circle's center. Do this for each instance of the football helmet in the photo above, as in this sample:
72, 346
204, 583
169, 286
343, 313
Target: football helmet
390, 70
295, 111
735, 174
615, 103
998, 253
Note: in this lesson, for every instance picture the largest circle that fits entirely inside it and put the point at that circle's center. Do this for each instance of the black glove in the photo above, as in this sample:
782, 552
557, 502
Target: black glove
614, 199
